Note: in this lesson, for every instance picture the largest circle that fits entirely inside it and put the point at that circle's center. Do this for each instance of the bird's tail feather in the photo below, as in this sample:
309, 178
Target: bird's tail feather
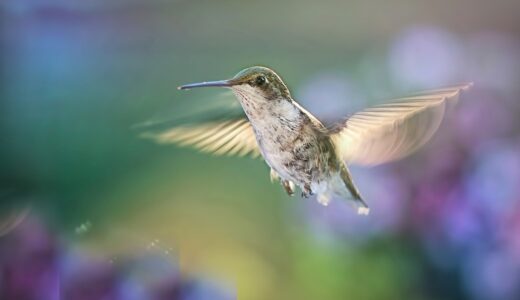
362, 207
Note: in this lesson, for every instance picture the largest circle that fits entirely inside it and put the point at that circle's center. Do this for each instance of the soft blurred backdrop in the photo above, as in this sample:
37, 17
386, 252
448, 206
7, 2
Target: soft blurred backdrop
102, 214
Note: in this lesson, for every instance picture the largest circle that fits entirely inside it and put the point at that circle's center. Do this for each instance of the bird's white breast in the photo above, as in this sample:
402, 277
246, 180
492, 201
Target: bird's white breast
275, 122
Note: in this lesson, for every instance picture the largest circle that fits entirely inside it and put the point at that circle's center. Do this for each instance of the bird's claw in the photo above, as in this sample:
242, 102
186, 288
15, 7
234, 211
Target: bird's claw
274, 176
307, 192
288, 186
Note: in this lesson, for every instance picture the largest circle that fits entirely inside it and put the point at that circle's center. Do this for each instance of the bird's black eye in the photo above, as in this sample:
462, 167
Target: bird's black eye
260, 80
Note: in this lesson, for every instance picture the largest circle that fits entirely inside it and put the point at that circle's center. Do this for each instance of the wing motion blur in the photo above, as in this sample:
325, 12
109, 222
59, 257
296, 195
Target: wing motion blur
10, 219
232, 136
217, 125
391, 131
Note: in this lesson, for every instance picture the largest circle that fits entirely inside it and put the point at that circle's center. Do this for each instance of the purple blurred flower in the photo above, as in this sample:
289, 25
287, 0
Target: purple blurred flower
480, 118
385, 195
28, 263
491, 274
85, 277
426, 57
492, 184
33, 267
495, 62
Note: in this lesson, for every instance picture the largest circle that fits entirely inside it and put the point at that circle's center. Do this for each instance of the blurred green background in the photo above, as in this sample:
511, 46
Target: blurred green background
77, 76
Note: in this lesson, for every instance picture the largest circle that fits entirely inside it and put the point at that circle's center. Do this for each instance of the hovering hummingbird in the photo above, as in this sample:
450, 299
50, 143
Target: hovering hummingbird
300, 150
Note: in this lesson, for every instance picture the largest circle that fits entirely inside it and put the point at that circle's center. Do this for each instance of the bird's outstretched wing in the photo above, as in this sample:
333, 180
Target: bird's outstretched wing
217, 125
391, 131
233, 136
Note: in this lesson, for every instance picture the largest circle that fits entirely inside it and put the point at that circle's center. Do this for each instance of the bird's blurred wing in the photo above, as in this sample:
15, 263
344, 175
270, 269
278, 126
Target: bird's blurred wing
232, 136
217, 125
10, 219
391, 131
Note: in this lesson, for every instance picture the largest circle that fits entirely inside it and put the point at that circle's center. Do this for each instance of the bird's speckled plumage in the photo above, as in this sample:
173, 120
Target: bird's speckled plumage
299, 149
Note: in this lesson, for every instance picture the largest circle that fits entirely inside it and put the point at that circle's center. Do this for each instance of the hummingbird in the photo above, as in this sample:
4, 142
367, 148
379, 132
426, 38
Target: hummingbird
299, 149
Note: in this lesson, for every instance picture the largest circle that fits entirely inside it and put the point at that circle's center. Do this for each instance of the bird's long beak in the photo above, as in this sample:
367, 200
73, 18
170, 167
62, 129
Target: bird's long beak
219, 83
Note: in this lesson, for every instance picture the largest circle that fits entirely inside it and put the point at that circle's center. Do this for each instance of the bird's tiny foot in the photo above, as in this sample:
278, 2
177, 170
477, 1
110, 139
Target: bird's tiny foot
274, 176
288, 186
307, 192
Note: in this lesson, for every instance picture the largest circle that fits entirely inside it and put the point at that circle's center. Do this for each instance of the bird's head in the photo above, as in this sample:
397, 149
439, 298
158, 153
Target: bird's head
251, 84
